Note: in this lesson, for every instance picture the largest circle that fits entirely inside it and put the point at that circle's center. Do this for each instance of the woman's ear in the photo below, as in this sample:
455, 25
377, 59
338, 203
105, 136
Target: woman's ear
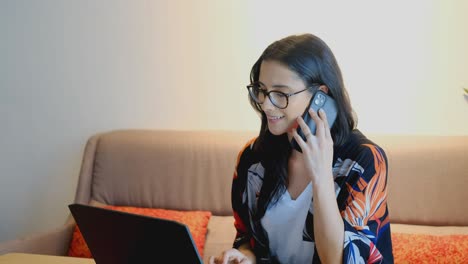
324, 88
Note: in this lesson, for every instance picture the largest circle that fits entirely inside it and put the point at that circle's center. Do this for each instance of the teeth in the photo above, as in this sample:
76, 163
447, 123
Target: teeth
275, 117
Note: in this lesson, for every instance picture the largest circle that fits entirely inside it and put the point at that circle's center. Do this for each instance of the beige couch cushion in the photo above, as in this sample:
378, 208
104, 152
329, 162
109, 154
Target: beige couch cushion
428, 179
179, 170
429, 230
220, 236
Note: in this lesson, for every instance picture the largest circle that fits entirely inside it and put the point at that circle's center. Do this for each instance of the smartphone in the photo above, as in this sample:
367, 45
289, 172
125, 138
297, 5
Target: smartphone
319, 100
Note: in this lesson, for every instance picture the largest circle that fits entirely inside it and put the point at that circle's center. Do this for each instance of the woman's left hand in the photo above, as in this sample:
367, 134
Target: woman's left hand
318, 148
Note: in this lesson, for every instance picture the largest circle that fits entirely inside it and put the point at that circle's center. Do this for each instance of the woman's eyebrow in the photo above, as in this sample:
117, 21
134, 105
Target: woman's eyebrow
278, 86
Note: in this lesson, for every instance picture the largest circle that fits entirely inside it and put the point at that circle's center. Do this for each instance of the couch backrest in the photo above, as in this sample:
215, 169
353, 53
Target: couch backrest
186, 170
192, 170
427, 178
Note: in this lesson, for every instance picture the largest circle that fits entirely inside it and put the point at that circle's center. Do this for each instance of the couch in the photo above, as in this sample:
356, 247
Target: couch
192, 170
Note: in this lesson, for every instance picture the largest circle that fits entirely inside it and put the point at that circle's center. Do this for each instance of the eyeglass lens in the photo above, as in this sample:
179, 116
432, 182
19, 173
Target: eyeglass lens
277, 98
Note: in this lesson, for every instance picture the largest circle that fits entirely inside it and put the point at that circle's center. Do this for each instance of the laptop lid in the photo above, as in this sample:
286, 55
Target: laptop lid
116, 237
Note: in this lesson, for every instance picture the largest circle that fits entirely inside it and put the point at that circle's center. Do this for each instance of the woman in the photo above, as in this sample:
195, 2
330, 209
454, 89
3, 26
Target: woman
324, 204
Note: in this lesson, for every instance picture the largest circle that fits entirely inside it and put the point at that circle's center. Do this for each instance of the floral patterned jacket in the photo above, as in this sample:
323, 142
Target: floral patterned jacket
360, 175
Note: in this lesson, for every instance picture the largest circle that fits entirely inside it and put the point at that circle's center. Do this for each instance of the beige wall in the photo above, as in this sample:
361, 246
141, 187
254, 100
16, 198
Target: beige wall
69, 69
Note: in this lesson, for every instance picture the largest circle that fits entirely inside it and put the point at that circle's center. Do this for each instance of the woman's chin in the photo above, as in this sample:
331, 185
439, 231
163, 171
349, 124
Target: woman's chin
277, 132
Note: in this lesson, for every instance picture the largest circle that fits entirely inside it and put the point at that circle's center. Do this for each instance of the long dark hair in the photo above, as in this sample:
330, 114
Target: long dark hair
313, 61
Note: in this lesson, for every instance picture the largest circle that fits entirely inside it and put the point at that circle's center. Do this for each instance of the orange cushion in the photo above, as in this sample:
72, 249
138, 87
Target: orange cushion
196, 221
424, 248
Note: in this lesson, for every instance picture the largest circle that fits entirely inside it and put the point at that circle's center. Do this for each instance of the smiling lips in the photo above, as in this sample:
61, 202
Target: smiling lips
274, 118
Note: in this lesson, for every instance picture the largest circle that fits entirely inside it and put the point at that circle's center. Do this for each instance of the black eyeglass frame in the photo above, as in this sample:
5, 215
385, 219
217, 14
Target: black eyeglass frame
286, 95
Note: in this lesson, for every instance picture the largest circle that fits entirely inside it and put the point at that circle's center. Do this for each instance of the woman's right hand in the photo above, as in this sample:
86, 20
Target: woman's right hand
231, 256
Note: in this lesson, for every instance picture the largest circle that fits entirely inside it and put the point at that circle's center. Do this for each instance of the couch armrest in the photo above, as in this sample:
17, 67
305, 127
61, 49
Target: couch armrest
54, 242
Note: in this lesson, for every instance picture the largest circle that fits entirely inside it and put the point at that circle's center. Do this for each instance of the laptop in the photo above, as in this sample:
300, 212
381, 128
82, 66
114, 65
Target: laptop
115, 237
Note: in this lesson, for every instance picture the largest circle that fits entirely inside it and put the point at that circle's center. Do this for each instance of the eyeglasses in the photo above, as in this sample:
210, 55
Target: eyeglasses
277, 98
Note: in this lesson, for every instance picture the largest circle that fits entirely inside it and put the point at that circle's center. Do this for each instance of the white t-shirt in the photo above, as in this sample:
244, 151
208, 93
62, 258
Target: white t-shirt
284, 223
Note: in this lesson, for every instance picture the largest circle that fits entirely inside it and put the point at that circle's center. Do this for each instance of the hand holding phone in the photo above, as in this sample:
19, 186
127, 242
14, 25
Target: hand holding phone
319, 100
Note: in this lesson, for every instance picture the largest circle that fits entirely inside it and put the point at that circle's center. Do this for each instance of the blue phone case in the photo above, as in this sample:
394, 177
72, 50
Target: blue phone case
320, 100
